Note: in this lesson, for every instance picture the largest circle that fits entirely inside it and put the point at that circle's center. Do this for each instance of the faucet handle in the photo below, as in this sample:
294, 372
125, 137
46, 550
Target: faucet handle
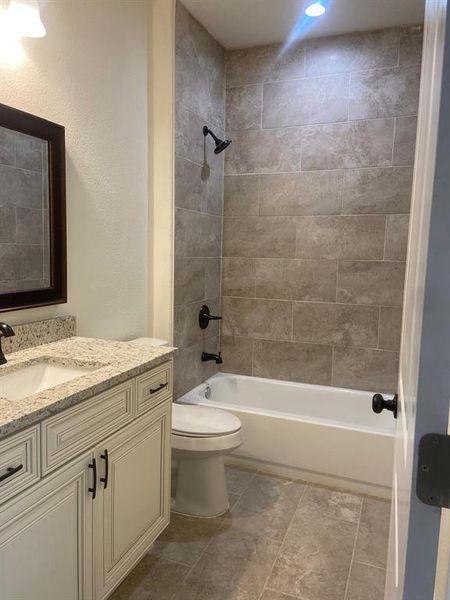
204, 317
6, 330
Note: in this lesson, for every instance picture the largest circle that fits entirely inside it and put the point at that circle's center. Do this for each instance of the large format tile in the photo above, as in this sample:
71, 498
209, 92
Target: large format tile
306, 101
197, 234
186, 328
189, 185
189, 278
259, 237
404, 141
314, 560
237, 354
292, 361
390, 328
256, 318
192, 85
345, 238
371, 282
337, 324
244, 107
411, 39
189, 139
373, 534
267, 506
264, 63
292, 279
238, 479
235, 565
347, 145
352, 52
241, 195
365, 369
331, 503
264, 151
390, 92
152, 578
366, 583
238, 277
377, 190
270, 595
306, 193
8, 225
397, 227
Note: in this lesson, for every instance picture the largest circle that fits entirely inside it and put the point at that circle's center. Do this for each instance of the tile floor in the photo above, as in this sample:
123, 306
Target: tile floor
281, 540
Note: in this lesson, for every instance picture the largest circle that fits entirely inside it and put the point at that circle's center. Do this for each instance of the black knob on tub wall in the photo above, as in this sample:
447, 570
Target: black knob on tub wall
379, 404
204, 317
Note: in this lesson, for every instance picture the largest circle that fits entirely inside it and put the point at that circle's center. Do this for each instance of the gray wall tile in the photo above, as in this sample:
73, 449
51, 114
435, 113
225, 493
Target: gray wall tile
344, 238
244, 107
348, 145
189, 279
7, 147
377, 190
190, 186
29, 226
371, 282
305, 101
404, 141
197, 234
365, 369
238, 277
396, 237
306, 193
241, 195
8, 225
256, 318
259, 237
390, 328
237, 354
292, 361
411, 39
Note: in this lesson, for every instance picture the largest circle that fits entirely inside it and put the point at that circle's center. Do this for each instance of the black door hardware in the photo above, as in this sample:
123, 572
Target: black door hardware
161, 386
204, 317
10, 471
433, 470
93, 489
379, 404
104, 479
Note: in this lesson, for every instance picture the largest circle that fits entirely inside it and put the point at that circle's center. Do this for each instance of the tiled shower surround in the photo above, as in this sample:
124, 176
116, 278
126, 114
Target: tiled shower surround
316, 204
200, 96
24, 234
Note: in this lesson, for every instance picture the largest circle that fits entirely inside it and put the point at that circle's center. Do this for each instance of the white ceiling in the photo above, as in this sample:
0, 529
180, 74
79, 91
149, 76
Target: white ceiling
246, 23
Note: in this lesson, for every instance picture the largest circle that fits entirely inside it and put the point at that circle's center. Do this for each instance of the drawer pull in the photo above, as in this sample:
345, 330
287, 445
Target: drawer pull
10, 471
159, 388
93, 466
104, 479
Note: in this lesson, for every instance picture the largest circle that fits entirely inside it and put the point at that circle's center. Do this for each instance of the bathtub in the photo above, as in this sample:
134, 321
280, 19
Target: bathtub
321, 434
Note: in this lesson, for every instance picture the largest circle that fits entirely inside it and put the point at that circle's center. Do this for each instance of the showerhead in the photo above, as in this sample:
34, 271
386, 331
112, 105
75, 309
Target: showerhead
220, 144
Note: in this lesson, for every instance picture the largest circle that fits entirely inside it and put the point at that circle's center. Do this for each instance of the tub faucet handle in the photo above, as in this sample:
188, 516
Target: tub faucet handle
204, 317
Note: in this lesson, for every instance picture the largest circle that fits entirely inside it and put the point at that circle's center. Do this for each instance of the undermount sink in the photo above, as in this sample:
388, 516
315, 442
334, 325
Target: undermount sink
38, 377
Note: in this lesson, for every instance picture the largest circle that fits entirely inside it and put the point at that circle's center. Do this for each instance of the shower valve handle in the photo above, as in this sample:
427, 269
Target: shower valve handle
204, 317
379, 404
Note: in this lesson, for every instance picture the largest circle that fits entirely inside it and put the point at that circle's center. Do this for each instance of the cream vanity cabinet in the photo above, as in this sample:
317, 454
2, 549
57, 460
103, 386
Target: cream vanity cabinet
77, 532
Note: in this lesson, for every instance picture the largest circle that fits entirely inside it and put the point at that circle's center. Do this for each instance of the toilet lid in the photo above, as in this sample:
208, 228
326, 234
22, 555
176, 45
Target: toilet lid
201, 421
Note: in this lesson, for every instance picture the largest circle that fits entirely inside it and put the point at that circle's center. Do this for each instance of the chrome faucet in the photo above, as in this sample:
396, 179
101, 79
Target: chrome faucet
5, 331
206, 356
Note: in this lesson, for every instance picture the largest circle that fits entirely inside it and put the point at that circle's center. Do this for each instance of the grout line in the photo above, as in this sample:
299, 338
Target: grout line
354, 549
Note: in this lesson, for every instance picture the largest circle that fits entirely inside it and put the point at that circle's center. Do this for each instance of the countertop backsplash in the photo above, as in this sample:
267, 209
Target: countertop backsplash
37, 333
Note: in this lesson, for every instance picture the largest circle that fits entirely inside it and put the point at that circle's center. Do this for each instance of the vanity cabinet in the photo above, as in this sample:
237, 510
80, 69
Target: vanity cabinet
78, 531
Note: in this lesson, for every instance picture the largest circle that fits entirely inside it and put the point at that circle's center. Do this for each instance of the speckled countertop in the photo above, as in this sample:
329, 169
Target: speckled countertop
111, 363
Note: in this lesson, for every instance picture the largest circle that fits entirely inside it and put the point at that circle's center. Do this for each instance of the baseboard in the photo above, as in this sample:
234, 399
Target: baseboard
350, 485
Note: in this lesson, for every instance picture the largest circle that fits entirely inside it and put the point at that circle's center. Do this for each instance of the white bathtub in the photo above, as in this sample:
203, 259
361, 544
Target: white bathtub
321, 434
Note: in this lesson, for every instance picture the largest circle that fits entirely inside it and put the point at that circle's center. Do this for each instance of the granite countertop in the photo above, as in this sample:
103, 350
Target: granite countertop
111, 363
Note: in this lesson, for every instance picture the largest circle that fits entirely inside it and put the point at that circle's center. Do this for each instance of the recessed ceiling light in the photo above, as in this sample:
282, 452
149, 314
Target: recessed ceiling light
315, 10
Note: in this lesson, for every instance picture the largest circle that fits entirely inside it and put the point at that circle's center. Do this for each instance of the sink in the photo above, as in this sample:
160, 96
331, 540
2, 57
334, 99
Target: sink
38, 377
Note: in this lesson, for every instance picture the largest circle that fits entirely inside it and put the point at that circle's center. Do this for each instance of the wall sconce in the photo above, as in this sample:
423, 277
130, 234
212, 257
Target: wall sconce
21, 19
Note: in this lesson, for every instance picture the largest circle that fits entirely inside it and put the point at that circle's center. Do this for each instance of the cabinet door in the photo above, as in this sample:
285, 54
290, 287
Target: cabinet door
133, 504
46, 538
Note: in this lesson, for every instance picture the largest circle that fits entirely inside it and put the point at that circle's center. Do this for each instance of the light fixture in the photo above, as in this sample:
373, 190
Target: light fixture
24, 18
315, 10
11, 50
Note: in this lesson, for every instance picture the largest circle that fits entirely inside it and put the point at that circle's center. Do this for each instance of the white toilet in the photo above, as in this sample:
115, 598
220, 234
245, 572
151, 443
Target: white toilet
201, 436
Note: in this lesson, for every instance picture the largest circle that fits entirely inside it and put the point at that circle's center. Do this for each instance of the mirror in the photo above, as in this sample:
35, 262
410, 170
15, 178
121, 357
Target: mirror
32, 211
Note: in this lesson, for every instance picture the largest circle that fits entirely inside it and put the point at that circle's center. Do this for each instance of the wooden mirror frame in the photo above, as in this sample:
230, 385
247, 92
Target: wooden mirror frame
17, 120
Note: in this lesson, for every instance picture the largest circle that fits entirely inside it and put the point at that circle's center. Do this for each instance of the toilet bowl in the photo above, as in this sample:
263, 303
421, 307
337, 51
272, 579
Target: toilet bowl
201, 436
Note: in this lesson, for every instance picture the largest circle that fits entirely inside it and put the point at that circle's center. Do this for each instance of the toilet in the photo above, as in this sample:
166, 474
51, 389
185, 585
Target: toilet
201, 437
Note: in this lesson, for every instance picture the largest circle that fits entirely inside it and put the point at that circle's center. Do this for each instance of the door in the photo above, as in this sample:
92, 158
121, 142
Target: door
424, 378
46, 538
133, 504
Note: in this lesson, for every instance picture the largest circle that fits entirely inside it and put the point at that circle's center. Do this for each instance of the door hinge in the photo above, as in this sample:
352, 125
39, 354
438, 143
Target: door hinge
433, 470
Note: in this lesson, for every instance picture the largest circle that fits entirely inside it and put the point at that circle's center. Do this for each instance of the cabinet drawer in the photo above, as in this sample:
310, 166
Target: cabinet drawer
75, 430
154, 387
20, 449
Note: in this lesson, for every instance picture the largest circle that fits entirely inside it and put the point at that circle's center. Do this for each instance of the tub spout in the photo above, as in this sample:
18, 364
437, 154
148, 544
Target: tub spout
206, 356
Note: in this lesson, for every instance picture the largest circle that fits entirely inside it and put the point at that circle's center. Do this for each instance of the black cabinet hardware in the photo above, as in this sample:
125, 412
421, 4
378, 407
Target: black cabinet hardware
105, 457
204, 317
10, 471
161, 386
93, 489
379, 404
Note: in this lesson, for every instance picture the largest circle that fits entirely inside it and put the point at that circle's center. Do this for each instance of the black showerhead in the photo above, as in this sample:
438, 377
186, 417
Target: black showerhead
220, 144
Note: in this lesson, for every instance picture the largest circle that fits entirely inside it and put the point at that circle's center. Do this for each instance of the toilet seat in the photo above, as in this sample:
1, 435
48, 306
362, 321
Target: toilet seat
193, 421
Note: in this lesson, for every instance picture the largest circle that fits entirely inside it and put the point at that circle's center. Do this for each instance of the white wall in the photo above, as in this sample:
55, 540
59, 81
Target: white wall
90, 75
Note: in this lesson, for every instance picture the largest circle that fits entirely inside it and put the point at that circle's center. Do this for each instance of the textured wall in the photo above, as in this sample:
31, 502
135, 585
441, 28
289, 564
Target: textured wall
317, 195
24, 233
90, 75
200, 66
